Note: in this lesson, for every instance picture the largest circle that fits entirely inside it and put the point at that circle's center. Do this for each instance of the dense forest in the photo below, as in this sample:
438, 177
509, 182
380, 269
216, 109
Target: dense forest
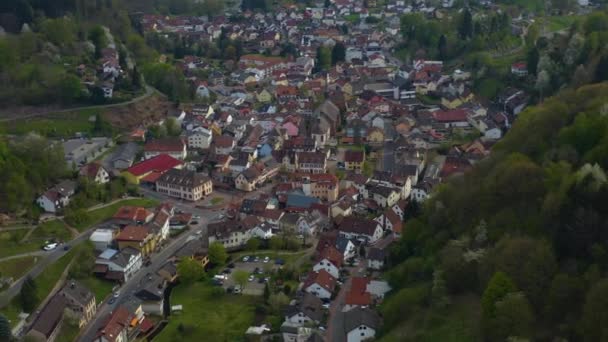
520, 243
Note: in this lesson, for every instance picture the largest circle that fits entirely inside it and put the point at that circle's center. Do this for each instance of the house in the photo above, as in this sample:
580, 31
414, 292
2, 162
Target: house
117, 326
519, 69
160, 224
48, 323
353, 160
57, 197
151, 169
390, 221
196, 250
264, 230
175, 147
357, 296
179, 221
306, 311
127, 215
264, 96
224, 144
184, 184
152, 295
118, 265
361, 324
297, 202
168, 271
320, 284
124, 156
322, 186
199, 138
295, 223
137, 237
80, 302
305, 162
376, 258
341, 208
95, 172
385, 196
203, 110
232, 234
375, 136
362, 229
329, 260
452, 118
102, 238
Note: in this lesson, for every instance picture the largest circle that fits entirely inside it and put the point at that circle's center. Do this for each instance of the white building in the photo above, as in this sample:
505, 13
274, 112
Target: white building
199, 138
360, 324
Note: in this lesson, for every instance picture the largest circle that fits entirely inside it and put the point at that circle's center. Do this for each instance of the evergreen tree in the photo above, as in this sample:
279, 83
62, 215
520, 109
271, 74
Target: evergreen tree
338, 53
465, 28
5, 329
28, 296
442, 48
532, 60
136, 78
601, 72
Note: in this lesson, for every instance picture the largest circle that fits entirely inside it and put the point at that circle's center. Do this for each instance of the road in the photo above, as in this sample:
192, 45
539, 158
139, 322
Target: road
157, 259
388, 157
149, 91
130, 287
51, 257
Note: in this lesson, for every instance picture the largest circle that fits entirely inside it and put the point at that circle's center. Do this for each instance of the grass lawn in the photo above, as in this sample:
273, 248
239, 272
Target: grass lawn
217, 317
10, 243
557, 23
68, 332
216, 200
101, 288
59, 125
99, 215
51, 229
17, 267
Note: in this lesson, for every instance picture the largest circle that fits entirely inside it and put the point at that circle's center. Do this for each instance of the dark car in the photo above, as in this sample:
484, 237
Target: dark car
112, 300
227, 271
261, 281
231, 265
66, 247
279, 262
194, 222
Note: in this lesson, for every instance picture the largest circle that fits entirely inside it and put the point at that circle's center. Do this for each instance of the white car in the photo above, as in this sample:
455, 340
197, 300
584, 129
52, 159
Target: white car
245, 258
50, 246
266, 260
251, 277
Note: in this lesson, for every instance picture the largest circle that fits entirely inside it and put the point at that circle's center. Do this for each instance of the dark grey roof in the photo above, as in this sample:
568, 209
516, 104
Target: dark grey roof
50, 317
183, 178
361, 316
77, 292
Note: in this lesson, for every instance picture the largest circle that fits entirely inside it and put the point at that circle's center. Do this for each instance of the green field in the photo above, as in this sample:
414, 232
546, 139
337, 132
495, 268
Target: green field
217, 317
99, 215
10, 243
17, 267
101, 288
55, 229
69, 331
57, 125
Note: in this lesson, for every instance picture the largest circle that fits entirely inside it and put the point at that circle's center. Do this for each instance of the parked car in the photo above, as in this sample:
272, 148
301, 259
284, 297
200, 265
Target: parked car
245, 258
231, 265
266, 260
251, 277
116, 294
326, 306
66, 247
194, 222
50, 246
112, 301
237, 289
256, 259
279, 262
261, 281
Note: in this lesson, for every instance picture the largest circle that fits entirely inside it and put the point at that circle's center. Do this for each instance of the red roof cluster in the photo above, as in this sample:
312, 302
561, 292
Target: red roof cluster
160, 163
450, 115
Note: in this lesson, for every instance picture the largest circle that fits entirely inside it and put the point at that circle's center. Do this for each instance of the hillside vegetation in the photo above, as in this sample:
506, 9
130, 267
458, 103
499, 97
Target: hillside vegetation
518, 247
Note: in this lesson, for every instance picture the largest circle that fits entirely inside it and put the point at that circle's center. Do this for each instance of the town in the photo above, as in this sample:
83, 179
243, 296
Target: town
274, 196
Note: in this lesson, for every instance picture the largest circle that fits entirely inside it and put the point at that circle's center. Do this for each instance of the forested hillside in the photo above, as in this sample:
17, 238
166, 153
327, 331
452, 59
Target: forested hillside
518, 247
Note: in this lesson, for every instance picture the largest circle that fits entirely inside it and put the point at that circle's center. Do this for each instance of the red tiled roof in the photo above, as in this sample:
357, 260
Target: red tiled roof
450, 115
332, 254
117, 322
165, 145
132, 213
160, 163
90, 170
152, 177
323, 278
354, 156
133, 233
358, 294
224, 141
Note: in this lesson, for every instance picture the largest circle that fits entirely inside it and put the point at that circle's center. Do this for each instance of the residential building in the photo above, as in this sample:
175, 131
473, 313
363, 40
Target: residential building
175, 147
385, 196
152, 295
95, 172
296, 223
196, 250
357, 296
320, 284
117, 326
102, 238
361, 324
322, 186
329, 260
137, 237
199, 138
80, 302
49, 321
353, 160
232, 234
184, 184
306, 311
57, 197
376, 258
118, 265
362, 229
151, 169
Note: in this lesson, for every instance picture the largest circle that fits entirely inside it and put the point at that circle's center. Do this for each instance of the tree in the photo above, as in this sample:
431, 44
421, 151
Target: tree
439, 296
442, 48
266, 292
69, 89
28, 295
532, 58
172, 126
240, 277
323, 58
499, 286
277, 301
465, 28
190, 270
98, 37
276, 243
513, 318
253, 244
601, 71
595, 312
136, 78
338, 53
217, 254
5, 329
543, 83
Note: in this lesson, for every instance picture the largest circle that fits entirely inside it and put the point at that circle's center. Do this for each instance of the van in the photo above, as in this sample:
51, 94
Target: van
220, 277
